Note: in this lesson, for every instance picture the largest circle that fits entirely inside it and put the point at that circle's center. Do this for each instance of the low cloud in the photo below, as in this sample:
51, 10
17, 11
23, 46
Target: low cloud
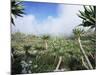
61, 25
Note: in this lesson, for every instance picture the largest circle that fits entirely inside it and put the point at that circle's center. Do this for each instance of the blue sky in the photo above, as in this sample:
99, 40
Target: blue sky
48, 18
41, 10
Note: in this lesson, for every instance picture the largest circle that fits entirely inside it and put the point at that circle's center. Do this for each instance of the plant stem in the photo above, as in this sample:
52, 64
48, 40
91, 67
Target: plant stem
59, 63
85, 65
84, 54
46, 45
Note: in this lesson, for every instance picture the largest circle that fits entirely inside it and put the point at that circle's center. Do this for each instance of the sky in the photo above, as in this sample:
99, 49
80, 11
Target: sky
48, 18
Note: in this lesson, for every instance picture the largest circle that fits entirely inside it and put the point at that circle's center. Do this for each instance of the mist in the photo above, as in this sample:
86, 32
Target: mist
62, 25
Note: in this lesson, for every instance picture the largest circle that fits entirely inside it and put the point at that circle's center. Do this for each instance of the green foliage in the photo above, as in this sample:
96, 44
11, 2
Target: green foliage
16, 10
27, 47
78, 32
39, 47
88, 16
45, 37
46, 60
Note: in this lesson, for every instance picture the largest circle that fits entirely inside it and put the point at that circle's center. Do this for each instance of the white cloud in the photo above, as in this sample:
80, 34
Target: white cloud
63, 24
25, 23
